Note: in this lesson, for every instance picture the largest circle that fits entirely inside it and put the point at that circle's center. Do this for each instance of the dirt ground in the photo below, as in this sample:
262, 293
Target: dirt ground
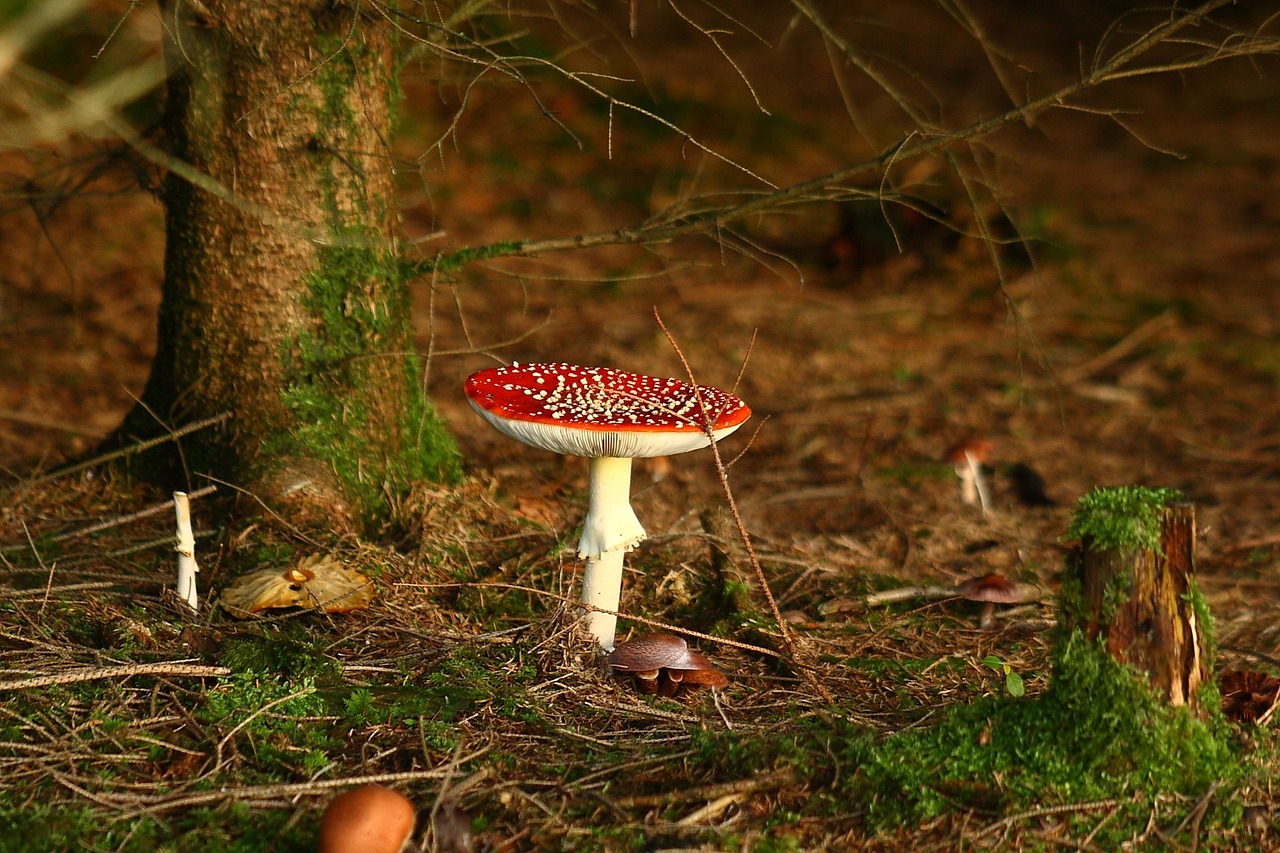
1142, 345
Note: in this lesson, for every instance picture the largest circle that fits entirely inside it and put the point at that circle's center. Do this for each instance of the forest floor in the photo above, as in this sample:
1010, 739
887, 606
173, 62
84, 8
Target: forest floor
1138, 343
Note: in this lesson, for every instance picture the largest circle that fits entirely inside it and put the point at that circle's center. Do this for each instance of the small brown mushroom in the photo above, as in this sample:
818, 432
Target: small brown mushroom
993, 589
367, 819
695, 670
712, 677
968, 458
689, 673
644, 657
664, 664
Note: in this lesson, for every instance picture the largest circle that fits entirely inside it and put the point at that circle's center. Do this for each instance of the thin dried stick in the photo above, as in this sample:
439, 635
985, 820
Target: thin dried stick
261, 792
907, 593
761, 782
564, 599
172, 668
172, 435
120, 520
1046, 811
1121, 349
723, 473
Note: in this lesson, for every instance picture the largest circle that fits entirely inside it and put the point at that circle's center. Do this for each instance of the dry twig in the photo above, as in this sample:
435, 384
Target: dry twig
174, 669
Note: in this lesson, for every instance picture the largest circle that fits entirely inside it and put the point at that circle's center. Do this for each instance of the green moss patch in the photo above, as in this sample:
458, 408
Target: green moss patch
1121, 517
329, 388
1099, 732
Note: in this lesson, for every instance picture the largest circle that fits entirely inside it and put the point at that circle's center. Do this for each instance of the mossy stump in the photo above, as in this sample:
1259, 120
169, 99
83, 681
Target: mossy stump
1135, 567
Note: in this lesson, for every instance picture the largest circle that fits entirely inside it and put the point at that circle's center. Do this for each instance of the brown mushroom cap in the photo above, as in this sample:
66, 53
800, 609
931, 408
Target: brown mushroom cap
996, 589
691, 661
368, 819
706, 678
695, 670
647, 653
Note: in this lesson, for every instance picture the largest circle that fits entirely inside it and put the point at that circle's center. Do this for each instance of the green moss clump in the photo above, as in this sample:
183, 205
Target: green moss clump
292, 650
1098, 732
1121, 517
236, 828
451, 261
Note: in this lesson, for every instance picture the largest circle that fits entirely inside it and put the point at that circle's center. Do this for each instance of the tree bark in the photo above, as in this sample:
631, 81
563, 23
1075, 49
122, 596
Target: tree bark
283, 300
1140, 604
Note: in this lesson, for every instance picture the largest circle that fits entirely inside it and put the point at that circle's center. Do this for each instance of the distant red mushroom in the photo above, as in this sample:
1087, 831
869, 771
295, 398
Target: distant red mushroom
993, 589
968, 458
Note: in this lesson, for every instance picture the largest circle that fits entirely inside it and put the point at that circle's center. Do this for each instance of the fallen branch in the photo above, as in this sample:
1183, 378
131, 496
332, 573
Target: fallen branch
762, 782
910, 593
674, 224
175, 669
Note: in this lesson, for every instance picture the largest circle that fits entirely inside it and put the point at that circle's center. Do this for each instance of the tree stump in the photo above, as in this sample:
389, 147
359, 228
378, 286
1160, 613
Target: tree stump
1135, 565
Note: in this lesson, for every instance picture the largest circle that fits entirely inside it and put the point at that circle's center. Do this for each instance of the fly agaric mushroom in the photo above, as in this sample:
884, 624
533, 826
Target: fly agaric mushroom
368, 819
993, 589
610, 416
968, 457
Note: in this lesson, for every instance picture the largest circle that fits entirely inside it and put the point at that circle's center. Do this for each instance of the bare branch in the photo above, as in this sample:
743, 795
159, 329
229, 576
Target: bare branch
711, 218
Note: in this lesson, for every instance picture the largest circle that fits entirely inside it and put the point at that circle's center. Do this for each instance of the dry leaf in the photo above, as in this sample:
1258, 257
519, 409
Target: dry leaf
316, 581
1249, 696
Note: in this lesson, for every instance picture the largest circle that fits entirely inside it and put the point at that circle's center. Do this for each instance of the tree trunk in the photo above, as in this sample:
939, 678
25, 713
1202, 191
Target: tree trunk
1140, 603
283, 300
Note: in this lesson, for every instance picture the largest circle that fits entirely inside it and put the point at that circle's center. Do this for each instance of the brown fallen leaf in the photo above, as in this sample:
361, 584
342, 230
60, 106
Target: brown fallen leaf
320, 580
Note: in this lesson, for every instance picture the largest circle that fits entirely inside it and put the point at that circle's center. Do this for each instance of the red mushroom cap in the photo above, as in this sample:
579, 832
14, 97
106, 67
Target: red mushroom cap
993, 587
599, 411
979, 448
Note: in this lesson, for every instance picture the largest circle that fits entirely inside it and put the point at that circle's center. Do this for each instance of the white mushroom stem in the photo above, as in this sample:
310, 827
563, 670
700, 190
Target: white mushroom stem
610, 530
611, 522
186, 548
973, 485
602, 587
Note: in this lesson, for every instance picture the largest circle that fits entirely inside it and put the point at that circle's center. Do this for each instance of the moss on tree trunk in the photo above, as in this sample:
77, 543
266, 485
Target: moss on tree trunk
284, 301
